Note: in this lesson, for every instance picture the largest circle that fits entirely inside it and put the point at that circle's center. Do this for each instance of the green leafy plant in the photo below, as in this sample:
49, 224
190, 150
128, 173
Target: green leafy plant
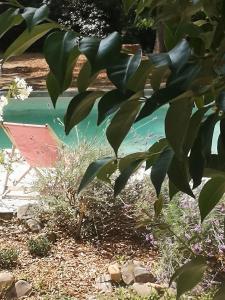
39, 246
188, 77
8, 258
94, 213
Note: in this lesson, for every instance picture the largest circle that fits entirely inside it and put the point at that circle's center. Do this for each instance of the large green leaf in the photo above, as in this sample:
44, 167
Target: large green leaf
106, 171
93, 170
180, 54
154, 151
109, 103
173, 190
123, 69
61, 52
100, 53
85, 77
26, 39
8, 19
125, 161
193, 128
221, 101
122, 122
160, 168
79, 108
53, 87
176, 124
178, 174
34, 16
201, 149
138, 80
177, 84
210, 195
122, 180
189, 275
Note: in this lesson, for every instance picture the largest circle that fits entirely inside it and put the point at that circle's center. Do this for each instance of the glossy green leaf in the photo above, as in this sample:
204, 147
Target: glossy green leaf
160, 168
169, 37
221, 101
122, 122
173, 190
53, 88
189, 275
125, 161
158, 76
34, 16
109, 103
93, 170
176, 124
79, 108
106, 171
158, 206
124, 67
8, 19
154, 151
177, 84
193, 128
210, 195
101, 53
178, 174
26, 39
122, 180
85, 77
61, 52
160, 60
201, 149
180, 54
138, 80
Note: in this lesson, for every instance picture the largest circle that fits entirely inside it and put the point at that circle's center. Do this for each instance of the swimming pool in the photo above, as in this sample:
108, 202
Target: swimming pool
39, 110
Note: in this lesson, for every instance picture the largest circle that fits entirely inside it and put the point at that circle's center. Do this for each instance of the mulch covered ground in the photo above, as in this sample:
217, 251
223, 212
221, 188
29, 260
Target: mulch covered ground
72, 267
33, 68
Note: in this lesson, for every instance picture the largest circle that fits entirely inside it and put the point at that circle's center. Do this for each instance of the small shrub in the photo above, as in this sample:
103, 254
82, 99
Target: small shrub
39, 246
94, 213
184, 236
8, 258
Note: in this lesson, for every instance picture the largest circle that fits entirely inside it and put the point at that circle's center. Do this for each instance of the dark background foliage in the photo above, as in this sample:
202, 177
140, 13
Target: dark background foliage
89, 18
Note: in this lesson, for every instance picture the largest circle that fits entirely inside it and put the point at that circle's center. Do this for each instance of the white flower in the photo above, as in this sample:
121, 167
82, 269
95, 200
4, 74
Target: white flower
3, 102
19, 89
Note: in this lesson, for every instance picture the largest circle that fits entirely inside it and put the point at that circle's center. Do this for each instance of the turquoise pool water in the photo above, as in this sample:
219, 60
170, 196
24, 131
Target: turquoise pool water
39, 110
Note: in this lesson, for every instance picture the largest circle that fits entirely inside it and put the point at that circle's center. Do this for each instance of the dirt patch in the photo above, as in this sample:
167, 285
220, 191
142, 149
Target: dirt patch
33, 68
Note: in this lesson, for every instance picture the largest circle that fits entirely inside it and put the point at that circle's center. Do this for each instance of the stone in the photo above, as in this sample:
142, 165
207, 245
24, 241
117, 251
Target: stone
114, 272
25, 212
142, 275
138, 263
20, 289
6, 281
144, 289
33, 225
127, 272
103, 283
